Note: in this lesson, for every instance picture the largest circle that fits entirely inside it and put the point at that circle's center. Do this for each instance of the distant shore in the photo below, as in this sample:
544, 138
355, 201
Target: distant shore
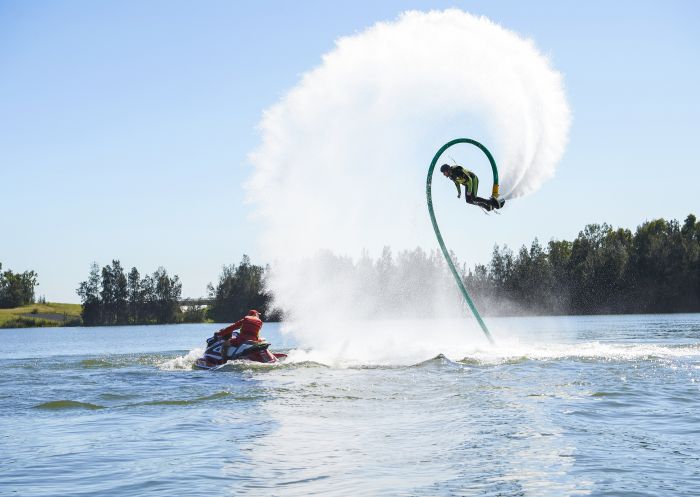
41, 315
51, 314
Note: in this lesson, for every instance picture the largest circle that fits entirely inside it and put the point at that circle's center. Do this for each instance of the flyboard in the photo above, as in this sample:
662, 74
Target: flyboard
445, 253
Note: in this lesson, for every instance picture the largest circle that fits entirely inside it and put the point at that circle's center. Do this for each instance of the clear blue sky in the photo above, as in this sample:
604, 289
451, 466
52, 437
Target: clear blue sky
125, 126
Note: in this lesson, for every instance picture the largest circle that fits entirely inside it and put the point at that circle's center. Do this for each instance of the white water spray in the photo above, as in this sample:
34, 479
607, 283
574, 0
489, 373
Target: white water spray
344, 154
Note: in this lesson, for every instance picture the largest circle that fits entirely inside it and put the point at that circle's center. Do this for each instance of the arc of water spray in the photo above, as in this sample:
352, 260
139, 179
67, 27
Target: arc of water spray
428, 192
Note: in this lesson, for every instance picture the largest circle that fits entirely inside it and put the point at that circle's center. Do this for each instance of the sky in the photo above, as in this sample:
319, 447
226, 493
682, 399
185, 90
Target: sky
126, 128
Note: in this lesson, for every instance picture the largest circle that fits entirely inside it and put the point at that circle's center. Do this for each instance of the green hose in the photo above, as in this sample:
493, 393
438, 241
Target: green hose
428, 192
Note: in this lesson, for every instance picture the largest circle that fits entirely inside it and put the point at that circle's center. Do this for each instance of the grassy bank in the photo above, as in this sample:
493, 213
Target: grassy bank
36, 315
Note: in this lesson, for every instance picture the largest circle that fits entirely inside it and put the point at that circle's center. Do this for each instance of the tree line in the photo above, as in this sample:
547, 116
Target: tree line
656, 268
16, 289
111, 297
603, 270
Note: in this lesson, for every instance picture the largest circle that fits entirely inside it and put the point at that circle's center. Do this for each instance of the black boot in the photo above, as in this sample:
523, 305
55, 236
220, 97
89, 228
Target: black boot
483, 203
496, 203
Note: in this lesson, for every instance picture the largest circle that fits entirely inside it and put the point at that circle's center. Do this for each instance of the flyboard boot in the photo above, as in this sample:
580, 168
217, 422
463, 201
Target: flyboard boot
496, 203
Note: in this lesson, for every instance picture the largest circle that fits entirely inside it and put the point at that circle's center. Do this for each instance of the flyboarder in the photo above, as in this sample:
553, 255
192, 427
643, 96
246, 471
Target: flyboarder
463, 176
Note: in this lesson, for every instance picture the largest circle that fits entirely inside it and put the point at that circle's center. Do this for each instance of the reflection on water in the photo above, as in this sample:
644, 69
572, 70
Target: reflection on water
455, 433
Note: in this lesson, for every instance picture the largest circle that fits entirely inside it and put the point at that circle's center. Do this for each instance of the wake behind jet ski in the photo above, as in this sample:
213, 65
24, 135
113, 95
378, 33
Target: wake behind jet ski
228, 345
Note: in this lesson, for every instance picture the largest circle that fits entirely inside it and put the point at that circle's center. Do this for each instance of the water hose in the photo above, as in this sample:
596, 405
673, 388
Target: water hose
429, 194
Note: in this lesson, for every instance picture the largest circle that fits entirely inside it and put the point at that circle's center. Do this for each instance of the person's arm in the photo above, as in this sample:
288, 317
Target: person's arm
228, 331
456, 172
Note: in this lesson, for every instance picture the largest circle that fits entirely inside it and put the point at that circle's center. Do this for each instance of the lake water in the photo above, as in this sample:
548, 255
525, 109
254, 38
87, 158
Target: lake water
600, 406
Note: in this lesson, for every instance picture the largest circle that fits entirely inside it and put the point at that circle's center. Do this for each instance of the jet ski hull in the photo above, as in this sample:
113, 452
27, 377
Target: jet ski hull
249, 351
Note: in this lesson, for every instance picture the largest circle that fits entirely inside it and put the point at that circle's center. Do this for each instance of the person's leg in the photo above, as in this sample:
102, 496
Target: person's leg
472, 195
484, 203
469, 193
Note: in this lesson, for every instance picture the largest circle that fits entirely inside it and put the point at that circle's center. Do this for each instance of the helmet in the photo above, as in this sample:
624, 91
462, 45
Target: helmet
444, 168
253, 312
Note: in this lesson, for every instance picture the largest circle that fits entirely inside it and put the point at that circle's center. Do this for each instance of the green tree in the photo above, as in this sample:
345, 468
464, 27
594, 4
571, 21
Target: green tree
89, 292
135, 296
107, 296
148, 300
501, 272
689, 284
17, 289
559, 256
121, 294
657, 261
167, 296
239, 289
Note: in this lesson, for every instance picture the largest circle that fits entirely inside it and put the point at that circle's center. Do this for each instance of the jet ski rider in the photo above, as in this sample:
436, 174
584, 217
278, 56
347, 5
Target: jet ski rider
463, 176
250, 330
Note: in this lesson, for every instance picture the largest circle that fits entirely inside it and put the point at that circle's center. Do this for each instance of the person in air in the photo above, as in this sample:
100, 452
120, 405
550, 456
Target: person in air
463, 176
249, 325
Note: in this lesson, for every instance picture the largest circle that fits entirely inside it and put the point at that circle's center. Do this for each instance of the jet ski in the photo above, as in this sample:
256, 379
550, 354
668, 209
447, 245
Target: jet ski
256, 351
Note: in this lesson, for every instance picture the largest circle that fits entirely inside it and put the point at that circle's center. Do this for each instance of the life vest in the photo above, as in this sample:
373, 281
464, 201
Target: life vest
250, 328
461, 175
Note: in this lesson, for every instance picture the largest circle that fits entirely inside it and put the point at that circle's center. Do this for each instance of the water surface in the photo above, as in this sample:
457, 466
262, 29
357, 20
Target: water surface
603, 406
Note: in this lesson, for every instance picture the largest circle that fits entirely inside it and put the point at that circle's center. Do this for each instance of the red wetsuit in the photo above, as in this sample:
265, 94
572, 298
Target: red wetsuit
250, 329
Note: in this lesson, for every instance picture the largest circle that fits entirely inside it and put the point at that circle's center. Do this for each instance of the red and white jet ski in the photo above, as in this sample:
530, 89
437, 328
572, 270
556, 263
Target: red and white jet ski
250, 350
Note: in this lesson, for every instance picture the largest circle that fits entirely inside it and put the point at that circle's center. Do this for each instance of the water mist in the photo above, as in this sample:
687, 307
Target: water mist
342, 162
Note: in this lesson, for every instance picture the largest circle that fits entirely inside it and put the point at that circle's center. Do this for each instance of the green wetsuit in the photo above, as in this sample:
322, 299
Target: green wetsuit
463, 176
